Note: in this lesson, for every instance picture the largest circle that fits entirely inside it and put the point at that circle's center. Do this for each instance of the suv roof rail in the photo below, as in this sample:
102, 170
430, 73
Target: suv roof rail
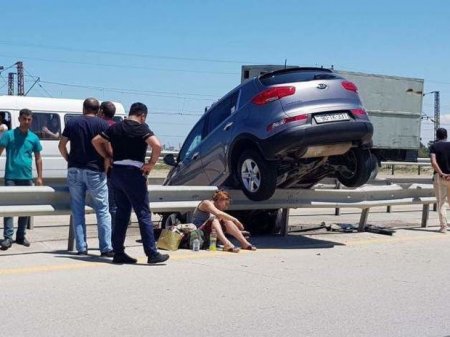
296, 69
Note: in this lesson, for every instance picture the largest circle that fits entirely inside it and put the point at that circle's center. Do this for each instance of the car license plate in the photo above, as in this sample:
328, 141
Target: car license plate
332, 117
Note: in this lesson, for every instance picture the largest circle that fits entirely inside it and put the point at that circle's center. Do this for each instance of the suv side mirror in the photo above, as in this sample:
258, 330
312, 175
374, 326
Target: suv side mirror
169, 159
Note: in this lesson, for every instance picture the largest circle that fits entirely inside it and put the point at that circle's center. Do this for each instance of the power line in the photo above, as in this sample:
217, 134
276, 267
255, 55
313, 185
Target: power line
133, 91
126, 66
92, 51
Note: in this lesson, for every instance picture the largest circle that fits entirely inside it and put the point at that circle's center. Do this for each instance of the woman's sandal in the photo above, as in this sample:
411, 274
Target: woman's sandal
249, 247
231, 249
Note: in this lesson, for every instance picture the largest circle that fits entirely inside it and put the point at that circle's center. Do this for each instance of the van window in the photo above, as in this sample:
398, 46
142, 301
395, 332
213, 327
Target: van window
5, 119
222, 111
46, 125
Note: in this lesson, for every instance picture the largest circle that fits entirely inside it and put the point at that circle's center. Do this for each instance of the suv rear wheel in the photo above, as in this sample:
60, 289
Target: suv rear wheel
257, 177
359, 165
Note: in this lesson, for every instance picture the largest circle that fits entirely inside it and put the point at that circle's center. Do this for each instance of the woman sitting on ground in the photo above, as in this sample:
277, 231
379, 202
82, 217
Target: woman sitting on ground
210, 214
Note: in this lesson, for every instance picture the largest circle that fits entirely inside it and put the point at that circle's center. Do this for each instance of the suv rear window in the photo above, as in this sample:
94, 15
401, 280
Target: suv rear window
290, 75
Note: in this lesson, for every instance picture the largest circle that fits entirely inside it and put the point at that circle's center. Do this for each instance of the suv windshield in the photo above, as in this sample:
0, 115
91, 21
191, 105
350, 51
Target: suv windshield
297, 75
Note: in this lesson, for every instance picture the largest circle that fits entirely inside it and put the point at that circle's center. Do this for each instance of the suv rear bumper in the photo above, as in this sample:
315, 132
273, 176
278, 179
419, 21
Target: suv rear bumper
300, 137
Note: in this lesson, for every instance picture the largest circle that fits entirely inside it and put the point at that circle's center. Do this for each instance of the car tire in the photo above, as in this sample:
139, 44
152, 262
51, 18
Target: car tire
360, 164
261, 221
257, 177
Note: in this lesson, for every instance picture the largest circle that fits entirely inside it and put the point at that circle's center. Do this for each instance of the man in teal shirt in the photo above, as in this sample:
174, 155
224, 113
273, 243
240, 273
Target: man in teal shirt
20, 144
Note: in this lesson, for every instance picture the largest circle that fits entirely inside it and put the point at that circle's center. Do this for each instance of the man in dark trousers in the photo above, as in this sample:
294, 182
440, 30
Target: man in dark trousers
440, 160
86, 173
130, 139
107, 112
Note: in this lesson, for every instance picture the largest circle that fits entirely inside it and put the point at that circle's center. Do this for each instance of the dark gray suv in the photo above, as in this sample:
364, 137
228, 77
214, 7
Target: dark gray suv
288, 129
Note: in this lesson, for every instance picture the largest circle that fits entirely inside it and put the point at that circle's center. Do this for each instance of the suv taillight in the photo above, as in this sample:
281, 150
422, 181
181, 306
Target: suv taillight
349, 86
360, 113
273, 94
302, 119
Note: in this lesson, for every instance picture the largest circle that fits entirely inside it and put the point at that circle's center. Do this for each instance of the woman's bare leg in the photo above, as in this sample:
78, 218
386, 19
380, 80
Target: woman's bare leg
233, 230
220, 235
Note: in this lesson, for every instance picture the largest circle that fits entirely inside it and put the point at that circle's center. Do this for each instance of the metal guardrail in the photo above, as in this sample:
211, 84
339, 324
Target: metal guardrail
46, 200
363, 198
419, 165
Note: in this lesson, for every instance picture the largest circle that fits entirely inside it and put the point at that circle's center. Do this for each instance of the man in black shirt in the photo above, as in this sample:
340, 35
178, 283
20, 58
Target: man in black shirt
130, 139
440, 160
86, 173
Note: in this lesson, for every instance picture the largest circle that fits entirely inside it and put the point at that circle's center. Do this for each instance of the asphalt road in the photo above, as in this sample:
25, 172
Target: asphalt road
313, 283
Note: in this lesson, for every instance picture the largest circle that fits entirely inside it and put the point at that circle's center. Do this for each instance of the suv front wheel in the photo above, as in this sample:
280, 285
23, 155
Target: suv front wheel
257, 177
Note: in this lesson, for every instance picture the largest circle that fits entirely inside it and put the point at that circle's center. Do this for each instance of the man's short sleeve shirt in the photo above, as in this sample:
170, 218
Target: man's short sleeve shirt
80, 131
19, 153
441, 150
128, 140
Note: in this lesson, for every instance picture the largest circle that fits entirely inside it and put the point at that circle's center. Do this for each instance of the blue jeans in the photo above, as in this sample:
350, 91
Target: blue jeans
81, 181
8, 223
130, 190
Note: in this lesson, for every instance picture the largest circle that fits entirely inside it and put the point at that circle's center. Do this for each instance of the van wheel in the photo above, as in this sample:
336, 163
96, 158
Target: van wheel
358, 167
257, 177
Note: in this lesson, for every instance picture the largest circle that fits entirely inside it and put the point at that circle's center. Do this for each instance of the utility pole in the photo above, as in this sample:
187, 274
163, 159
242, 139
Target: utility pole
437, 110
20, 79
11, 84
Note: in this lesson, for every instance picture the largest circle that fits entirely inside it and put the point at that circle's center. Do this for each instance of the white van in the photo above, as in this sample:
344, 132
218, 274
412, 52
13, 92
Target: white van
50, 114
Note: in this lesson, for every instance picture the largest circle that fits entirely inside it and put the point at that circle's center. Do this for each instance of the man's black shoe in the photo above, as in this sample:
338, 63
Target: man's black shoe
5, 244
158, 258
109, 253
120, 258
23, 242
83, 252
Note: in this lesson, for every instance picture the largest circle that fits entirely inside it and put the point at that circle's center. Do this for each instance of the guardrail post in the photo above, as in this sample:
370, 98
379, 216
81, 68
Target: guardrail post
363, 219
388, 209
425, 214
30, 224
284, 221
337, 211
392, 169
70, 241
418, 170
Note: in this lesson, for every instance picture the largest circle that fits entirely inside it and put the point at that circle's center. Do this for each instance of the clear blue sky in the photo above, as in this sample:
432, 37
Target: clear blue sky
180, 56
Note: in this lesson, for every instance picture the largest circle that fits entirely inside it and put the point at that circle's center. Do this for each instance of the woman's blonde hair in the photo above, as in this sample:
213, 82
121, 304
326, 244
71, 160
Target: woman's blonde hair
221, 195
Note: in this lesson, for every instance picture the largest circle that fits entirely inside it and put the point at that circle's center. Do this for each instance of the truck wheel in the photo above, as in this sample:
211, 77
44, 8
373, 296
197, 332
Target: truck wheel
257, 177
359, 165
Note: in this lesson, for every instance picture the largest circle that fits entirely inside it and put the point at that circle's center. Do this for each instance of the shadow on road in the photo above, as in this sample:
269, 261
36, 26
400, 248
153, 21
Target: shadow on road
292, 242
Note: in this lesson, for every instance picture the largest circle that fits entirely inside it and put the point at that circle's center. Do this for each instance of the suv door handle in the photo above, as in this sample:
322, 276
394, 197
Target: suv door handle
228, 126
195, 156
